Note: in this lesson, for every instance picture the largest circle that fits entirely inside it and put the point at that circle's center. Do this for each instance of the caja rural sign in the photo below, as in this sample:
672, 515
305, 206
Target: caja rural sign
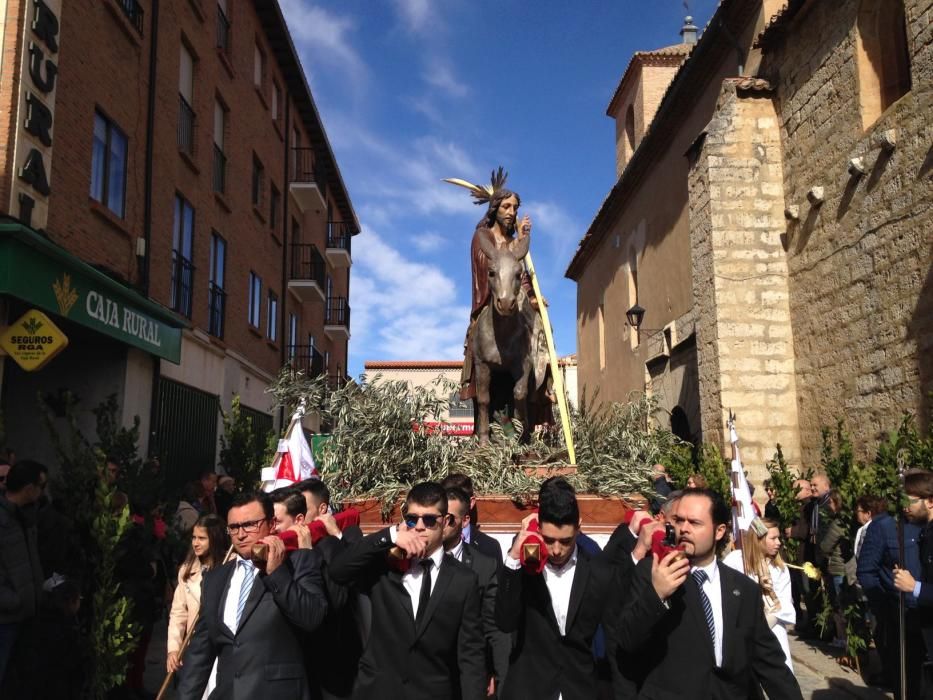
33, 340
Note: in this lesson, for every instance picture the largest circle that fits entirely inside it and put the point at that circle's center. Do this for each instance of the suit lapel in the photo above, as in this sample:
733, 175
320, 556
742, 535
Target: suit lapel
581, 574
397, 589
229, 568
731, 600
444, 577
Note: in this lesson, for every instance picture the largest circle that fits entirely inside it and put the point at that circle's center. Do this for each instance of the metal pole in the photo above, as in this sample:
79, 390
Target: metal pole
901, 612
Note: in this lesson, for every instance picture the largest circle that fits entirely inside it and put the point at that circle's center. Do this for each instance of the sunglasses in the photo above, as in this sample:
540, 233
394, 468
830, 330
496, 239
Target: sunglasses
430, 520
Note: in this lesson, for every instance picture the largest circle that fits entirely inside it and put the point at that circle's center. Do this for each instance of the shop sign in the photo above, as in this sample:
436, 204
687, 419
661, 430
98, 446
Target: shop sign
456, 429
33, 340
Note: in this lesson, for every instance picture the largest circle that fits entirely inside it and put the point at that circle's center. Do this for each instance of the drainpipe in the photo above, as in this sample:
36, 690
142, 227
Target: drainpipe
150, 139
285, 243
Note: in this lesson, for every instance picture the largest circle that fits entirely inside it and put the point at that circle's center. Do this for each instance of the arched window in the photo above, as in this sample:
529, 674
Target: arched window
680, 424
883, 57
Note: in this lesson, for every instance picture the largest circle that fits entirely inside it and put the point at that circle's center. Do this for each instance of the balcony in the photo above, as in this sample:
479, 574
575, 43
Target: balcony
182, 284
134, 13
336, 380
186, 120
220, 170
216, 311
337, 319
305, 185
307, 273
339, 237
307, 359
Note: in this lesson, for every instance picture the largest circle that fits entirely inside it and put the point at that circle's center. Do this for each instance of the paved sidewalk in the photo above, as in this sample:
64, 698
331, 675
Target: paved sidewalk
822, 678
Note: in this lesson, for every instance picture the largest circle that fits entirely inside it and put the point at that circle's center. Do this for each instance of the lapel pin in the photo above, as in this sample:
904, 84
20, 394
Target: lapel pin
735, 592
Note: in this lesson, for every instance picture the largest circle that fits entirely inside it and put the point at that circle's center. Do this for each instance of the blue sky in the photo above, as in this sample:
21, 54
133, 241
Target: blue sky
412, 91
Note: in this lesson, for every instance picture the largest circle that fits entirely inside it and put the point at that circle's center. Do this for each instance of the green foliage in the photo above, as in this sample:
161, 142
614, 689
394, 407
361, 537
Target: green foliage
110, 634
243, 448
377, 449
785, 497
121, 444
685, 460
113, 635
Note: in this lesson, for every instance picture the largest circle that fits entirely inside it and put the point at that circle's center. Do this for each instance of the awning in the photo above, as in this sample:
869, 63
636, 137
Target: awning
43, 274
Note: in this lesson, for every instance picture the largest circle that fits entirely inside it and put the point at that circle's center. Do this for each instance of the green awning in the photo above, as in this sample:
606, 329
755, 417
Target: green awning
43, 274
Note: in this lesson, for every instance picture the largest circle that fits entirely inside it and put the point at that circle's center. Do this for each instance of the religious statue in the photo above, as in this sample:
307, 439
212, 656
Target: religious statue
505, 366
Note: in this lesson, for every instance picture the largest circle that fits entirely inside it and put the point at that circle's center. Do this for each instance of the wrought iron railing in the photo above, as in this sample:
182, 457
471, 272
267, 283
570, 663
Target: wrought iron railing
307, 263
339, 235
307, 359
303, 169
337, 312
182, 284
186, 120
216, 311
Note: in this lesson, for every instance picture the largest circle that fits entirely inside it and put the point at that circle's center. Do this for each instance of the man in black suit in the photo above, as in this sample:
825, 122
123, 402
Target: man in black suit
471, 532
498, 643
255, 620
690, 627
555, 613
426, 641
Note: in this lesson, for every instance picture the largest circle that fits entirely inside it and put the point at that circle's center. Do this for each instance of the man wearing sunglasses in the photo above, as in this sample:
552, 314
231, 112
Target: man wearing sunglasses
426, 639
255, 619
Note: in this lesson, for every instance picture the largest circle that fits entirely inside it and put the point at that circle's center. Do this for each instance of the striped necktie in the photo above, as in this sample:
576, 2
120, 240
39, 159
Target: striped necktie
246, 585
700, 577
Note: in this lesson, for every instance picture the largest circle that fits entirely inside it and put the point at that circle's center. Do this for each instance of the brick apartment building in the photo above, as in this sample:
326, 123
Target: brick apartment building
174, 207
770, 224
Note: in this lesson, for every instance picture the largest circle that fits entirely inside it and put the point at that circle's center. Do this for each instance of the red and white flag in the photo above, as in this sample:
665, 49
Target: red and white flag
294, 460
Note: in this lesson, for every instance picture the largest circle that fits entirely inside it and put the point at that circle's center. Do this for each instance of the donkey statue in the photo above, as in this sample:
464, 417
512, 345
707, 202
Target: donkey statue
508, 336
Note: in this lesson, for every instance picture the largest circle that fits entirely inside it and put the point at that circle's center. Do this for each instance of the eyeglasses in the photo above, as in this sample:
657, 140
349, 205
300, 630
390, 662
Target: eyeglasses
914, 499
250, 527
430, 520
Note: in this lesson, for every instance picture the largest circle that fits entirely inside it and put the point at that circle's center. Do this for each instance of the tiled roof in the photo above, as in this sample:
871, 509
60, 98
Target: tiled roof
668, 55
749, 84
779, 23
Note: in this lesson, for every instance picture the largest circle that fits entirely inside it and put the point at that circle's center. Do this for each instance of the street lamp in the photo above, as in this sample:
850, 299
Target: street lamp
635, 315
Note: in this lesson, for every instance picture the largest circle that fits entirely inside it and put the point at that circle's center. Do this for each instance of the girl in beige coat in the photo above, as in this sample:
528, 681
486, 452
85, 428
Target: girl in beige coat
209, 544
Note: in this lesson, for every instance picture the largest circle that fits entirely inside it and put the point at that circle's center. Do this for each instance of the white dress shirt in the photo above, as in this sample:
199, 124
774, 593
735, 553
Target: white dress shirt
411, 579
713, 590
559, 581
233, 593
457, 551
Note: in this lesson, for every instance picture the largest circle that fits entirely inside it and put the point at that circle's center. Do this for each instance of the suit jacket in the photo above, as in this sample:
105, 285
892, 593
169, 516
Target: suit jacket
487, 545
498, 643
442, 656
544, 663
878, 555
265, 658
334, 651
666, 652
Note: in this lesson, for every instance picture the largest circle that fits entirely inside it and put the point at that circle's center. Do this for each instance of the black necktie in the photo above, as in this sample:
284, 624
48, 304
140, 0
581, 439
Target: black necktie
425, 595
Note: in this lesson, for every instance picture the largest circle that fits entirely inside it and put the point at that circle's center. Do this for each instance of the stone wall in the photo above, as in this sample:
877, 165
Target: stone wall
861, 285
744, 338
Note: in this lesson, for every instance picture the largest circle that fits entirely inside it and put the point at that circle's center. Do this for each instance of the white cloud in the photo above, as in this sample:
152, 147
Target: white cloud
414, 14
325, 37
402, 309
440, 76
429, 242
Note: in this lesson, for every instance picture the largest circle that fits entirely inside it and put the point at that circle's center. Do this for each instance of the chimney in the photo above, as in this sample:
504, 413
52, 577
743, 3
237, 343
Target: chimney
689, 31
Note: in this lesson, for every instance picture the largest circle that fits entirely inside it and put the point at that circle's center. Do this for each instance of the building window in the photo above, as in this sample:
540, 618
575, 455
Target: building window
258, 176
883, 57
292, 335
272, 317
274, 203
255, 299
186, 114
220, 157
182, 265
218, 297
296, 232
108, 165
223, 26
259, 67
276, 100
